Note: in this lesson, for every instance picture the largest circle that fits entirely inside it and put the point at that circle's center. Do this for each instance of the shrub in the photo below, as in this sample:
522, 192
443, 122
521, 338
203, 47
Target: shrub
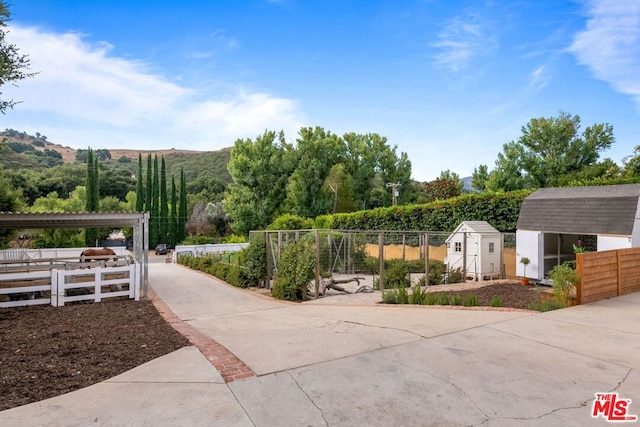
290, 222
441, 299
429, 299
254, 259
436, 271
390, 296
547, 305
564, 279
471, 301
496, 301
397, 275
418, 294
456, 300
456, 276
403, 297
295, 271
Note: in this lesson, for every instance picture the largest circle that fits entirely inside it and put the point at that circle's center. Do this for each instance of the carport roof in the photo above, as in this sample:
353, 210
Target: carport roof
23, 220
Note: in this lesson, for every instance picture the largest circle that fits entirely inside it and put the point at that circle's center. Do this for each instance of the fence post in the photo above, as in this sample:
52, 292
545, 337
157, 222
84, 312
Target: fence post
579, 272
267, 241
317, 235
381, 255
426, 258
54, 287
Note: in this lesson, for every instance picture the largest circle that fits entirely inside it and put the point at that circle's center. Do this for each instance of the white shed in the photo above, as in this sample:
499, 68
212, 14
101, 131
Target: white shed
476, 248
552, 220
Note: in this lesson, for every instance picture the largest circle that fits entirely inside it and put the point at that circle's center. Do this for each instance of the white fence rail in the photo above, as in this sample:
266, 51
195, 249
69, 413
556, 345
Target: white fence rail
57, 287
201, 250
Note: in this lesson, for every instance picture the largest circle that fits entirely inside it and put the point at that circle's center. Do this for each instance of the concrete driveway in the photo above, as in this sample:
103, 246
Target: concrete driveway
354, 365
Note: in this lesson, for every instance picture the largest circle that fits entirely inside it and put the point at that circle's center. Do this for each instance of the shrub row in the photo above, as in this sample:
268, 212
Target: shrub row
233, 274
420, 296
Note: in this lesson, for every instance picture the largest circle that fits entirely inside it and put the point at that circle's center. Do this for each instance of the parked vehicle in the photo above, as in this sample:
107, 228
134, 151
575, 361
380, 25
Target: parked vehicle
162, 249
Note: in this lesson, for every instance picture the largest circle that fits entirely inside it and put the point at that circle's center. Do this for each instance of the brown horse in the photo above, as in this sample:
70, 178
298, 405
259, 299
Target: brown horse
91, 254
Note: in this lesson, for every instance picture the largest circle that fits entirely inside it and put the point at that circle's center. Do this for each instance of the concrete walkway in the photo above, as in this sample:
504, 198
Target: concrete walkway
354, 365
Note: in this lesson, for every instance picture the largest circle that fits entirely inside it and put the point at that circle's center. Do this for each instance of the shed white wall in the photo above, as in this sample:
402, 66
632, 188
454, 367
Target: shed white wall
529, 245
606, 243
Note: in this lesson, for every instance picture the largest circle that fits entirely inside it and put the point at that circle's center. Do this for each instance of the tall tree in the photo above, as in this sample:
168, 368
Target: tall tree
155, 206
13, 65
139, 187
164, 205
317, 151
148, 207
173, 214
259, 171
549, 150
182, 208
92, 203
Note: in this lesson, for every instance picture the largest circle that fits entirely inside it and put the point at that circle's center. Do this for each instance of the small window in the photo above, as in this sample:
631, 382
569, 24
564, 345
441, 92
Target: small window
458, 247
492, 247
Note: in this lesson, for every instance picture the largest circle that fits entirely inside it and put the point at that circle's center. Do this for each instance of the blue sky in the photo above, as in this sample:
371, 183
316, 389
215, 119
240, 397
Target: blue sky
448, 82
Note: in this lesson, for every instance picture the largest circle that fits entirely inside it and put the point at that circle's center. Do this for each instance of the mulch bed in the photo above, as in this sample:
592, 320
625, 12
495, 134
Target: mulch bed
512, 294
48, 351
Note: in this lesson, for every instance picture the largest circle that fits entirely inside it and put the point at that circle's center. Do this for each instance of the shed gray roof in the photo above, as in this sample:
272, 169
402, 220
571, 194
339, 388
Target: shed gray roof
609, 209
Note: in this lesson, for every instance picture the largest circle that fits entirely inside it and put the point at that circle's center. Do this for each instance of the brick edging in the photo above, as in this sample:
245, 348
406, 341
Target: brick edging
230, 367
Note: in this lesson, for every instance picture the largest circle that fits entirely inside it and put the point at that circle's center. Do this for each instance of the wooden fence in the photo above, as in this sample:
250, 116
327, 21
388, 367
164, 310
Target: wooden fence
57, 287
607, 274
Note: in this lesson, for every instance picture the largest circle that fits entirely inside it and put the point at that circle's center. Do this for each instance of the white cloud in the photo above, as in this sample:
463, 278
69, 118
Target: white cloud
610, 44
90, 97
461, 40
538, 78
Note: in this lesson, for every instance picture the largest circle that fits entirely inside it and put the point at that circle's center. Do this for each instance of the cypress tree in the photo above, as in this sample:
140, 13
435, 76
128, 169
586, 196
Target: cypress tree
148, 193
155, 205
182, 211
92, 203
139, 187
163, 234
173, 215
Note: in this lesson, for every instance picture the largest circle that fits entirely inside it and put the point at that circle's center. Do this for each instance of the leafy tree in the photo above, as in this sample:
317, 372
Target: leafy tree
13, 66
259, 171
480, 178
139, 187
316, 153
631, 163
439, 189
340, 186
548, 151
9, 202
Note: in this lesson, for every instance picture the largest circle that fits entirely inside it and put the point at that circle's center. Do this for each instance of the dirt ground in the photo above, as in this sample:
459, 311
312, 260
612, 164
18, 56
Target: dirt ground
48, 351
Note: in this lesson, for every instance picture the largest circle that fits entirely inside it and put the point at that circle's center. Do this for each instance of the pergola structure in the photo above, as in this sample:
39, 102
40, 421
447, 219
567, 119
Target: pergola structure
139, 221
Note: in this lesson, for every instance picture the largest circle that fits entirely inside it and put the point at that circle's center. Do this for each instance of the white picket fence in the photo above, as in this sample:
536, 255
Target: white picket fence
60, 285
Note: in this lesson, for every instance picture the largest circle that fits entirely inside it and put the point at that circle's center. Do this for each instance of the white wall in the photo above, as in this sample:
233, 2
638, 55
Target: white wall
606, 243
529, 245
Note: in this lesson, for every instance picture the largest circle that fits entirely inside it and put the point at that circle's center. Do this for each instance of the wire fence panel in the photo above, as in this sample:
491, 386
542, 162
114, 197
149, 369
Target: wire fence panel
397, 258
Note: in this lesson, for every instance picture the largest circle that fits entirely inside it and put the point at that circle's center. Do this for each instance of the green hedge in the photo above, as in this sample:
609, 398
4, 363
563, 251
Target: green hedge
233, 274
501, 210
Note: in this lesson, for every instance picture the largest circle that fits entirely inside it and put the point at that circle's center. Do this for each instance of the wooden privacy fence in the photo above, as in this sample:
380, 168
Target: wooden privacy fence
57, 287
607, 274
